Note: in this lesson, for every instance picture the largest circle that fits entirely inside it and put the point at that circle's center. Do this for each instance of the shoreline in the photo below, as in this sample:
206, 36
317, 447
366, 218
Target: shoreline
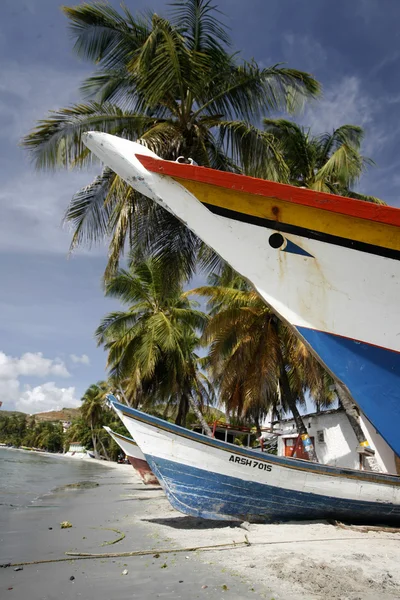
88, 459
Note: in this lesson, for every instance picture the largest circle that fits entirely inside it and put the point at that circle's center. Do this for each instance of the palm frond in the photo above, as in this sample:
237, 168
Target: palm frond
89, 212
56, 141
103, 35
359, 196
198, 22
256, 151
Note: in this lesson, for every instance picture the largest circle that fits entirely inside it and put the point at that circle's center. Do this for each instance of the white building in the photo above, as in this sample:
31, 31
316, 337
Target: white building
335, 442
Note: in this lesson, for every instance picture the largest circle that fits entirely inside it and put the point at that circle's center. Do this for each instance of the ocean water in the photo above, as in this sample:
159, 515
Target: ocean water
26, 478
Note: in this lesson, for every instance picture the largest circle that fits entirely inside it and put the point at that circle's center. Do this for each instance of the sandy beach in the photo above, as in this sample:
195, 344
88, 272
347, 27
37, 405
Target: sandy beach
283, 561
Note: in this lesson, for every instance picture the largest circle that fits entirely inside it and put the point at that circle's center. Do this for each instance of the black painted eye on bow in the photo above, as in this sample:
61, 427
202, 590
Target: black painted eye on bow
277, 241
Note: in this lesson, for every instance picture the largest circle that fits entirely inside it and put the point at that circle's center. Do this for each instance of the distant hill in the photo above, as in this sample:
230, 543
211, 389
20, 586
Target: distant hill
65, 414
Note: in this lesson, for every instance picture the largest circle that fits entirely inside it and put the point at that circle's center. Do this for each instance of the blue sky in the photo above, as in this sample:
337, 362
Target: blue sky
50, 305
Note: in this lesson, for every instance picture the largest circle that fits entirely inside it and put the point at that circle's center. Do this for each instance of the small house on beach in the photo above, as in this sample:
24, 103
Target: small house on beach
334, 440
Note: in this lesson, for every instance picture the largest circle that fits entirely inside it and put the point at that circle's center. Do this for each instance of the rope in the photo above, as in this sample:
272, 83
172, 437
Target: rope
86, 556
232, 545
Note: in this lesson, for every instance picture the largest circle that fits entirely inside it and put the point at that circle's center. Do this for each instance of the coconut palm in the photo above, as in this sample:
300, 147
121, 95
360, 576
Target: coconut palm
330, 162
155, 339
92, 409
177, 87
256, 361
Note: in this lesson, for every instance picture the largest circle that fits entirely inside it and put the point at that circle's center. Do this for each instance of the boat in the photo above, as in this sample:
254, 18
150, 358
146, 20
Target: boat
328, 266
209, 478
135, 457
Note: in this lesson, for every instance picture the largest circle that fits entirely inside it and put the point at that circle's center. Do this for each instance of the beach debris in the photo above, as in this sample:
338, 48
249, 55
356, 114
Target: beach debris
72, 578
50, 528
5, 565
203, 587
19, 569
65, 525
225, 588
164, 566
120, 533
79, 485
181, 581
245, 525
156, 555
10, 588
125, 572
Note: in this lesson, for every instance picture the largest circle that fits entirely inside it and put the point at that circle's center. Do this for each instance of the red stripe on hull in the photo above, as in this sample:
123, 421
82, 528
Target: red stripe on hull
143, 469
270, 189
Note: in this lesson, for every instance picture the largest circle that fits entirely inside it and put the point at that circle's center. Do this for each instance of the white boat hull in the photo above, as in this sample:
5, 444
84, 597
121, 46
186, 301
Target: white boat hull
135, 457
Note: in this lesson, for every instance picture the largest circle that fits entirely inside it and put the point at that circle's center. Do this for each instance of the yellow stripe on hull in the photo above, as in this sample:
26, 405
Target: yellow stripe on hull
352, 228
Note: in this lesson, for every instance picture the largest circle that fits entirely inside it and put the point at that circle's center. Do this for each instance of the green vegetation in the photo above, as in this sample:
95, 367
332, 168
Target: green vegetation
19, 429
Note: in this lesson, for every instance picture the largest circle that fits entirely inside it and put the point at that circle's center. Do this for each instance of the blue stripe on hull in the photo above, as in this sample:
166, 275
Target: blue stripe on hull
372, 375
201, 493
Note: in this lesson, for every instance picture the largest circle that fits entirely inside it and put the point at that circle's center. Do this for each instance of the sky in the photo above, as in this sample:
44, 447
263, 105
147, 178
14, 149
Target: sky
50, 303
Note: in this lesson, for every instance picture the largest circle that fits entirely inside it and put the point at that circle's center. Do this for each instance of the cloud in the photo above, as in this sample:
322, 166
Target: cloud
34, 203
33, 208
28, 398
31, 364
294, 46
347, 102
83, 360
46, 397
29, 92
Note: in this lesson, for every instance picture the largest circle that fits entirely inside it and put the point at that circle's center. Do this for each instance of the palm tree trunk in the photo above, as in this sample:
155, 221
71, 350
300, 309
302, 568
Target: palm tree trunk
353, 416
93, 439
301, 428
104, 450
199, 415
183, 409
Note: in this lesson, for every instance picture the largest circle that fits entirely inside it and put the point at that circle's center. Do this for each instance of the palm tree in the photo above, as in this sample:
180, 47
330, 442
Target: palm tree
330, 162
93, 403
256, 361
177, 87
155, 339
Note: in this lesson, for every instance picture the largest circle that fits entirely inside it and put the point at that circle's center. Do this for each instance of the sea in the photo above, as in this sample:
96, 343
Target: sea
27, 478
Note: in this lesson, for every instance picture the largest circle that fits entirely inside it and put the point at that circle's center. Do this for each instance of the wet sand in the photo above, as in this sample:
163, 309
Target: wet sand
288, 561
99, 516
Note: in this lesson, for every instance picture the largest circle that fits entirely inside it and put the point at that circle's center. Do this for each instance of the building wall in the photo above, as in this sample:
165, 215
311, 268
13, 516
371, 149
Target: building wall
340, 443
384, 455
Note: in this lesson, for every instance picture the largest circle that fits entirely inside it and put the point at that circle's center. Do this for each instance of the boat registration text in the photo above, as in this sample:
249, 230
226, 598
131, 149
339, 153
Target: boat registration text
255, 464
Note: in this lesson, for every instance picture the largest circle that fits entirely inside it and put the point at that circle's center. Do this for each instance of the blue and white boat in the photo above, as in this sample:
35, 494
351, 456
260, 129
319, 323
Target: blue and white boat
208, 478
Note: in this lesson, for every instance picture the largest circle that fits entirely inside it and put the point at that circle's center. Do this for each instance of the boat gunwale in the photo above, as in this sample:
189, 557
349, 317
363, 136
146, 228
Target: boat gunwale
119, 435
369, 211
300, 465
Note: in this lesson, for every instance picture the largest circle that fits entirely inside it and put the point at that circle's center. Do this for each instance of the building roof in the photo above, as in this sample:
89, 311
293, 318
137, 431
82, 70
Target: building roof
319, 413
